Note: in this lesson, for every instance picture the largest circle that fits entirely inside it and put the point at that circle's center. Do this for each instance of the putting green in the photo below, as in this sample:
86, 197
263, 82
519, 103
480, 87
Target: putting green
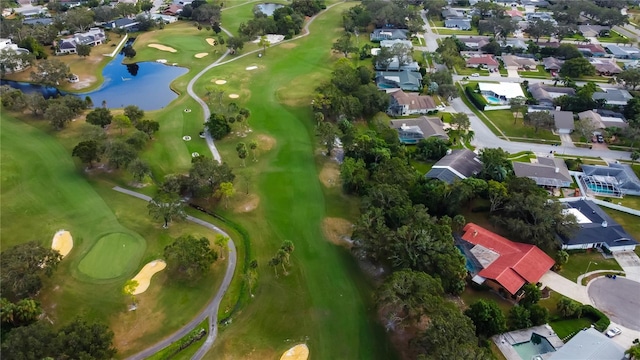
114, 255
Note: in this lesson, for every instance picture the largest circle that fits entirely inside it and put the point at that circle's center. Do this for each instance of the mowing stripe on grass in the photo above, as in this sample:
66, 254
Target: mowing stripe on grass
113, 255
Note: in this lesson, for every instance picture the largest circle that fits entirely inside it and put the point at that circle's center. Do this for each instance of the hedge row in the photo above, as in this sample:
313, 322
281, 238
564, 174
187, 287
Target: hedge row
477, 99
601, 321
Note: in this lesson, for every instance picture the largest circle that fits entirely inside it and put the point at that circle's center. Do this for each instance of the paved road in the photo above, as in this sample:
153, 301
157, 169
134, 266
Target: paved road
619, 299
211, 310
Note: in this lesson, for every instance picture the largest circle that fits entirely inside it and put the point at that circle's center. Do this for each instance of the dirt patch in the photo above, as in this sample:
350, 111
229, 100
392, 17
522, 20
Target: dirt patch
211, 41
338, 231
220, 82
200, 55
246, 203
163, 48
330, 174
288, 45
84, 82
265, 142
298, 352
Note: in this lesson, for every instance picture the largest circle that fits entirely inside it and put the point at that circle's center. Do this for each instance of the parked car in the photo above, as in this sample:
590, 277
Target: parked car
614, 332
475, 75
600, 138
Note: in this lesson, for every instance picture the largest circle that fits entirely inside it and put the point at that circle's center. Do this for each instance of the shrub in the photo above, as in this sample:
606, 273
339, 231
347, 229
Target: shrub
601, 321
476, 98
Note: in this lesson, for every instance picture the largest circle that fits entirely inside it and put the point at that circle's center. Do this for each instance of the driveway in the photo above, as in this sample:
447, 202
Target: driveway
619, 299
566, 287
512, 74
566, 140
630, 263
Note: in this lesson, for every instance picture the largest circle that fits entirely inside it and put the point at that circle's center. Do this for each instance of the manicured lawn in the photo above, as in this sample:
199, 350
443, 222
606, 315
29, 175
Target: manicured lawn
113, 255
578, 263
565, 328
504, 120
613, 37
469, 71
630, 201
469, 296
630, 223
421, 166
457, 32
541, 73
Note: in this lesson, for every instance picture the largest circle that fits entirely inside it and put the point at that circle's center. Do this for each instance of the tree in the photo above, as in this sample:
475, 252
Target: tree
354, 175
253, 145
235, 44
146, 6
460, 121
264, 43
432, 148
241, 149
189, 257
327, 133
104, 13
121, 122
206, 13
21, 313
585, 128
631, 78
517, 106
538, 28
226, 191
434, 7
497, 192
148, 127
635, 155
206, 175
81, 340
50, 72
34, 341
344, 45
83, 50
129, 289
568, 51
448, 91
58, 114
532, 295
22, 269
36, 103
79, 18
88, 152
569, 308
166, 206
495, 164
134, 113
519, 318
487, 317
634, 352
100, 116
538, 314
120, 153
218, 126
222, 242
139, 169
561, 258
577, 67
274, 262
539, 119
128, 50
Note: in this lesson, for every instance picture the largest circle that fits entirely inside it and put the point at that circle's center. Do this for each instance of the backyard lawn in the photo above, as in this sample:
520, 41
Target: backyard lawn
457, 32
504, 120
579, 262
629, 222
540, 74
613, 37
565, 328
469, 296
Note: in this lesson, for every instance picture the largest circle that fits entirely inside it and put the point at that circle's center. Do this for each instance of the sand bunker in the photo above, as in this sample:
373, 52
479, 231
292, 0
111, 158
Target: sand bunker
63, 242
330, 174
248, 203
220, 82
200, 55
252, 67
272, 38
338, 231
144, 276
266, 142
234, 96
162, 47
211, 41
161, 61
298, 352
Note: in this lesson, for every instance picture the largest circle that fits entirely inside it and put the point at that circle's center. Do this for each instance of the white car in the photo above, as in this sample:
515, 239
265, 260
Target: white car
613, 332
475, 75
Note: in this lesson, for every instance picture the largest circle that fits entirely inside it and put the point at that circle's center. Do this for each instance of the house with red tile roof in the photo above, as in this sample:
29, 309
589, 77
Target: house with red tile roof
501, 264
484, 61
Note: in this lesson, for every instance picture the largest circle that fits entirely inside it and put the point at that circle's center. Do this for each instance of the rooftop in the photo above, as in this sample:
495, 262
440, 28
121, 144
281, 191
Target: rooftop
508, 90
482, 60
589, 344
457, 165
613, 96
545, 172
413, 100
425, 126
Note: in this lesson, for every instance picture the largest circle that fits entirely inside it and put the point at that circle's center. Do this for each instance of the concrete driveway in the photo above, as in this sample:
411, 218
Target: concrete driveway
513, 73
619, 299
630, 263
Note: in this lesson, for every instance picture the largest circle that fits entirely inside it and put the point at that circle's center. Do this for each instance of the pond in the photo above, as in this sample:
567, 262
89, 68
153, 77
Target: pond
144, 84
268, 8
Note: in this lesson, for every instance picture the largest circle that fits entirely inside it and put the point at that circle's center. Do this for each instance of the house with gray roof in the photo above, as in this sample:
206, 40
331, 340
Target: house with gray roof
623, 52
589, 344
474, 42
457, 165
38, 21
411, 131
403, 104
388, 34
563, 121
602, 120
390, 43
594, 30
395, 65
404, 79
93, 37
551, 172
606, 67
613, 96
450, 13
551, 63
124, 23
545, 94
614, 180
462, 24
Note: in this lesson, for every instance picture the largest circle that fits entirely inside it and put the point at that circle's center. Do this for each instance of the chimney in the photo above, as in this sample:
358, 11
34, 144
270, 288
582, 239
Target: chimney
475, 233
604, 224
557, 170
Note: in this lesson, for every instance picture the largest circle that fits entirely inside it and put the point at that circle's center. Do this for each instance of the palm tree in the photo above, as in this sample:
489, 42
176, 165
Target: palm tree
253, 145
274, 262
221, 241
241, 148
283, 258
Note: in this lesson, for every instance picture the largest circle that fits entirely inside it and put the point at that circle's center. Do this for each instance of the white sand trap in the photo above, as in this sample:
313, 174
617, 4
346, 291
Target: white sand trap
161, 61
221, 82
234, 96
201, 55
211, 41
63, 242
272, 38
252, 68
144, 276
298, 352
162, 48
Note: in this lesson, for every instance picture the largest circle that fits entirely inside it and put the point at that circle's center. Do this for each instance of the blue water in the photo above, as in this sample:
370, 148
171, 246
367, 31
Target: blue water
386, 86
493, 100
145, 85
471, 267
537, 345
599, 189
408, 140
268, 8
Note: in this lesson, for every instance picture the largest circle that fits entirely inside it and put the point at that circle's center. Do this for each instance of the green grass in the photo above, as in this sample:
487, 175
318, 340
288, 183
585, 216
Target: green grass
469, 296
469, 71
630, 223
579, 262
565, 328
541, 73
167, 352
421, 166
457, 32
613, 37
504, 120
112, 256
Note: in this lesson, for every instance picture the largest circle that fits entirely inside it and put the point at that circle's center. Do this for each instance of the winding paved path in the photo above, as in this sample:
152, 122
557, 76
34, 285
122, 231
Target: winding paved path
210, 311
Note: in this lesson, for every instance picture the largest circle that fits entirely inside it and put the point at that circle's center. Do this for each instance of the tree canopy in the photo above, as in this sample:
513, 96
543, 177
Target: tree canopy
189, 256
22, 269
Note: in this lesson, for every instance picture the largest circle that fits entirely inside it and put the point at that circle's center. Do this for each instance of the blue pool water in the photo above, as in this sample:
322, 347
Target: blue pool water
493, 100
468, 264
386, 86
537, 345
596, 188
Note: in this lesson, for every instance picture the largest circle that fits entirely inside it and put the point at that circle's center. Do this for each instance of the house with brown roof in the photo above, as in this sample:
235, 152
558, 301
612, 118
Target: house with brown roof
545, 94
403, 104
411, 131
173, 10
552, 64
501, 264
544, 171
600, 122
474, 43
606, 67
482, 61
513, 62
590, 50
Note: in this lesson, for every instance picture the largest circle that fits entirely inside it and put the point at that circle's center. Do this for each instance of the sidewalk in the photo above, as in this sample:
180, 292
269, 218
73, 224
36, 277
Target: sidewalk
630, 263
565, 287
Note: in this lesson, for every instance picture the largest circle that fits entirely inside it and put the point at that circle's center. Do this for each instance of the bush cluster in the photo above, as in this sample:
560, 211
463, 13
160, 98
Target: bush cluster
476, 98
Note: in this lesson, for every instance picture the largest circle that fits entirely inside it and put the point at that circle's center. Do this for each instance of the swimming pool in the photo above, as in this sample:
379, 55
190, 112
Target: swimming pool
601, 189
493, 100
536, 346
471, 267
386, 86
